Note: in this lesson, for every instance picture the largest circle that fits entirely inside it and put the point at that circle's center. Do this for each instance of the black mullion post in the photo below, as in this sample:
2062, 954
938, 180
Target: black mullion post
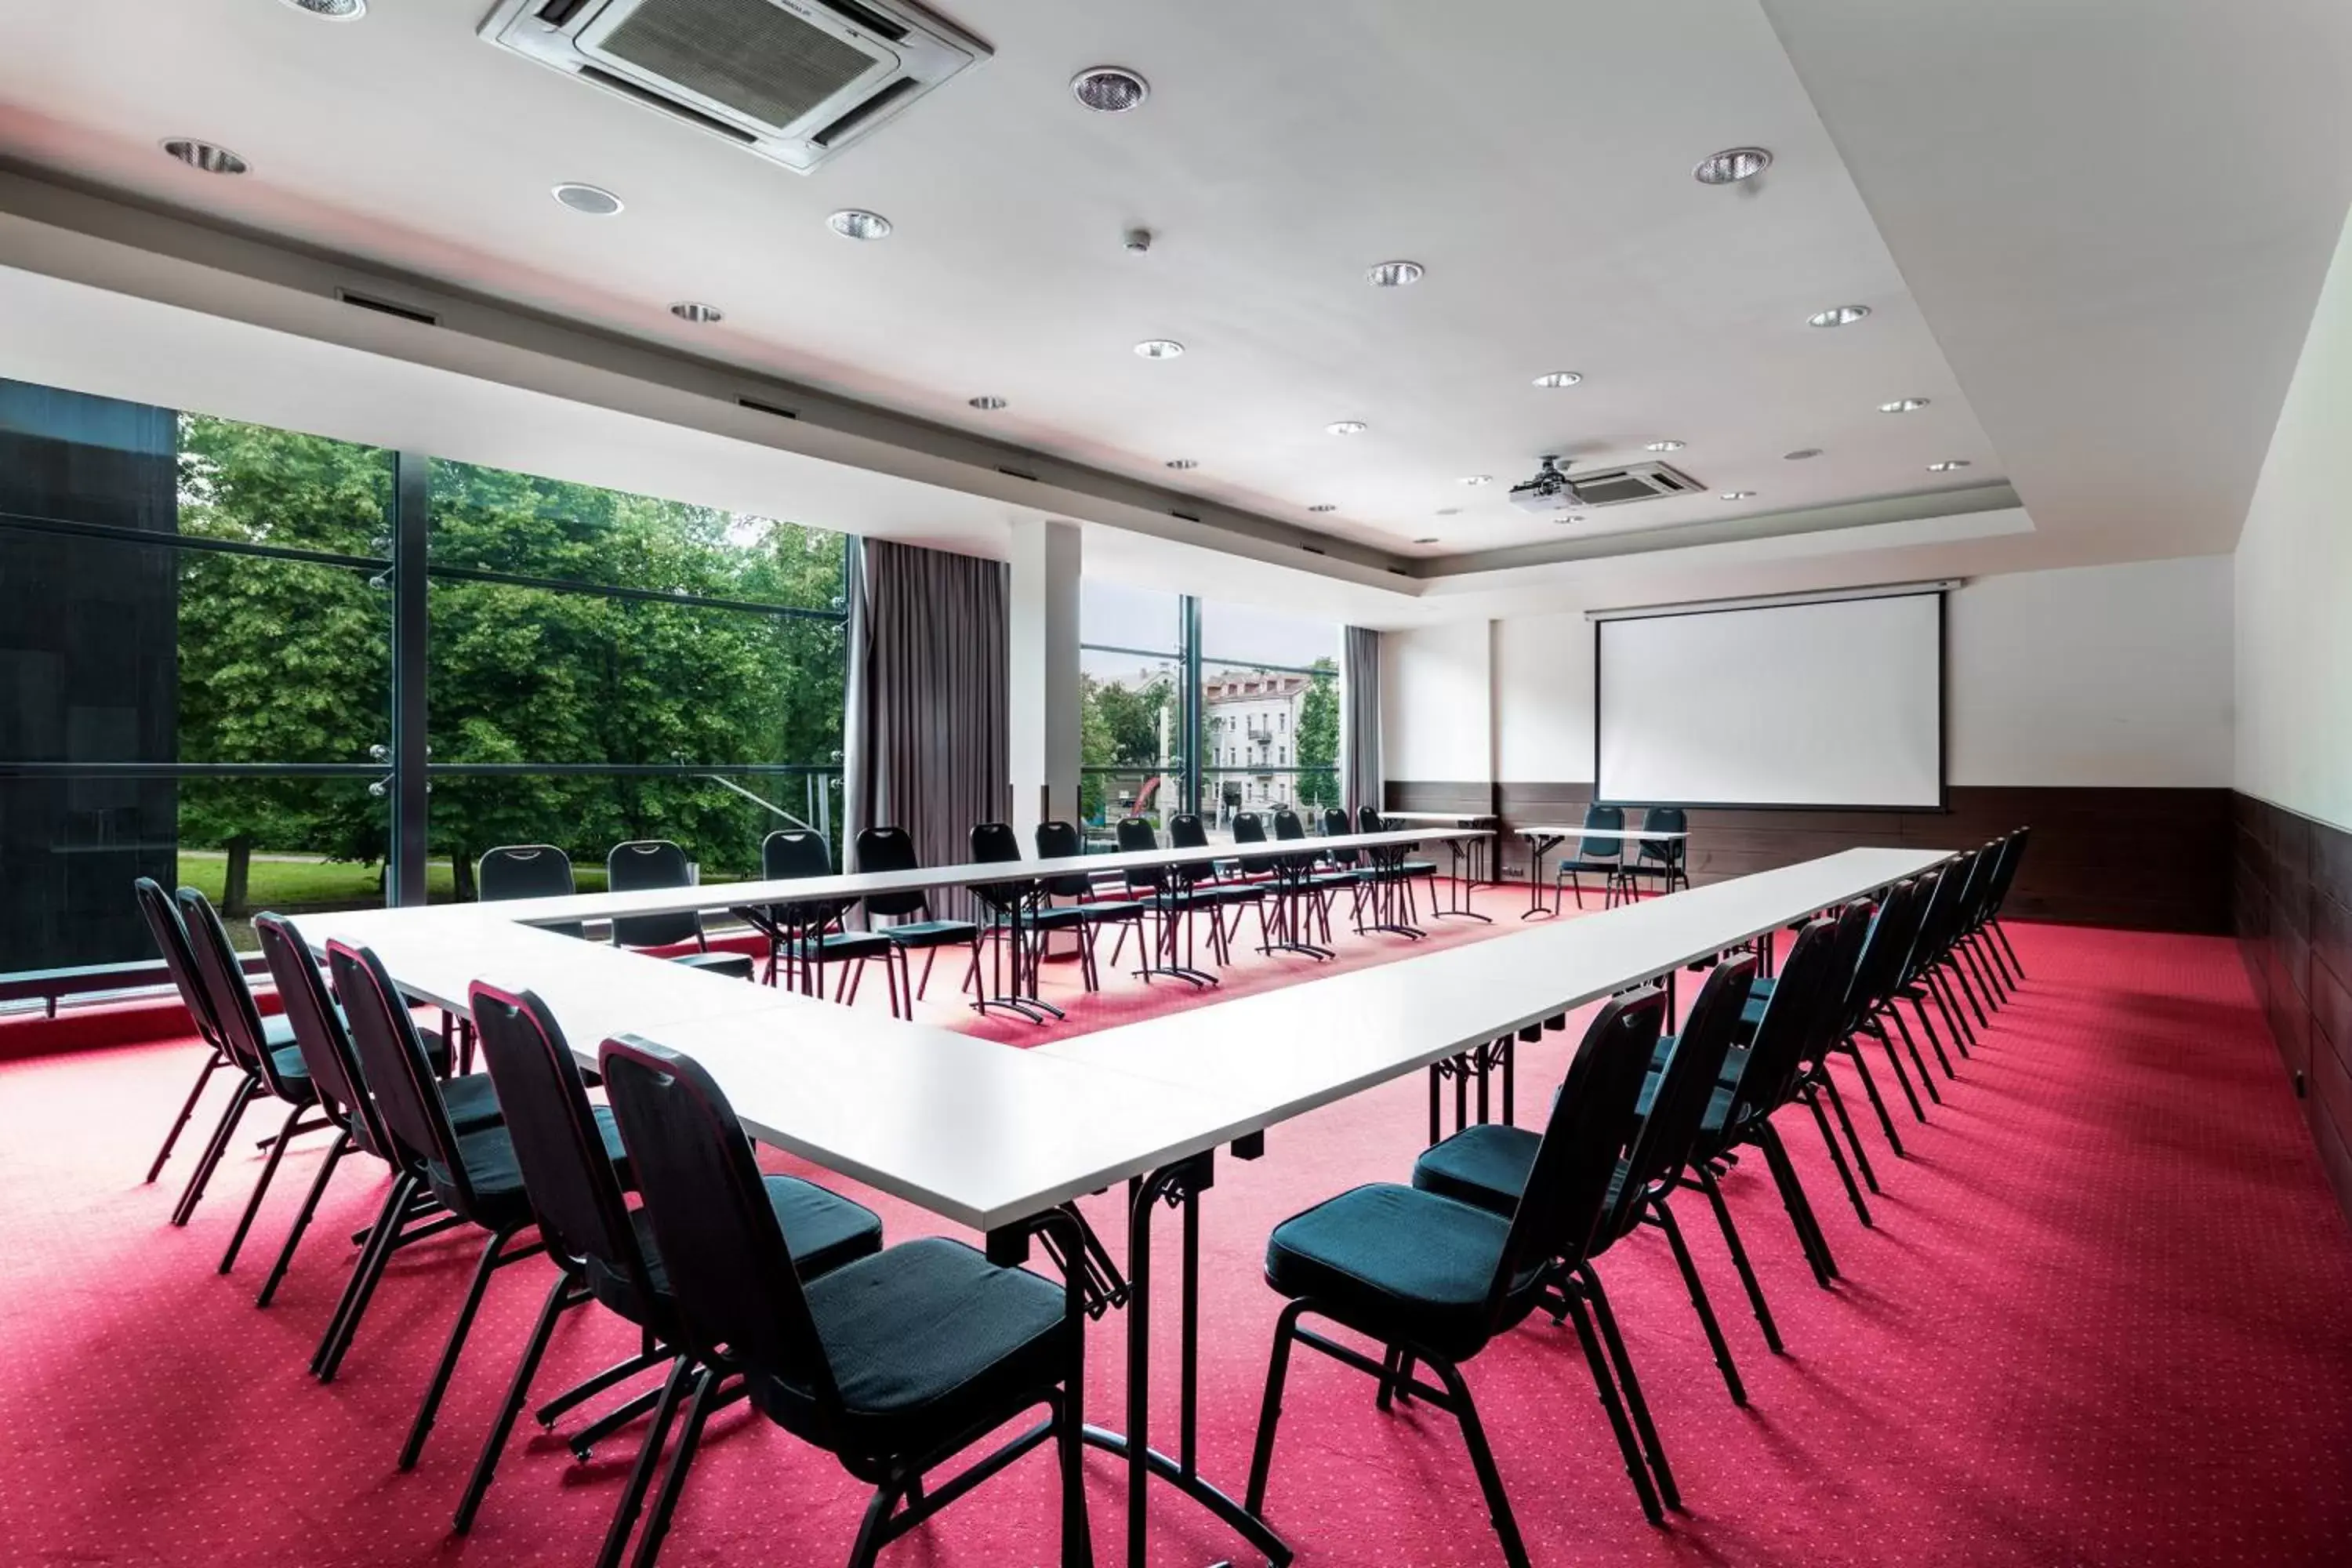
411, 503
1191, 705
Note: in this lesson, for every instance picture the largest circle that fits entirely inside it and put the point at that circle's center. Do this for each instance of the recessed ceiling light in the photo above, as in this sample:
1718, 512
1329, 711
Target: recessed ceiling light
1800, 454
1427, 539
1182, 463
1474, 480
1110, 90
986, 405
1159, 348
1738, 495
1838, 316
333, 10
1560, 378
1347, 427
1449, 511
1731, 165
1394, 274
1903, 405
855, 223
1948, 465
700, 314
203, 156
1323, 506
1668, 444
1570, 517
595, 201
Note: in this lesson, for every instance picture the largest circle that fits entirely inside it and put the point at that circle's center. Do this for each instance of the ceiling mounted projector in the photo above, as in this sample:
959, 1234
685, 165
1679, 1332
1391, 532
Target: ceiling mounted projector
1551, 490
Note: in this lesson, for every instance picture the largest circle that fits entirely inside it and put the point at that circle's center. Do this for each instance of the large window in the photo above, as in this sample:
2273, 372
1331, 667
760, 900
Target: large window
1256, 691
198, 673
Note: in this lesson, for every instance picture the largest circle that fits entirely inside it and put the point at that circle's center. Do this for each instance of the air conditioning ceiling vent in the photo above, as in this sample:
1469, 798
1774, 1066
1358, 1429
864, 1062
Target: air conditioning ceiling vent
795, 80
1637, 481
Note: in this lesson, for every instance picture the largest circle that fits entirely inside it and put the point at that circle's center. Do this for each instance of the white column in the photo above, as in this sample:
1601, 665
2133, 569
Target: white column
1044, 709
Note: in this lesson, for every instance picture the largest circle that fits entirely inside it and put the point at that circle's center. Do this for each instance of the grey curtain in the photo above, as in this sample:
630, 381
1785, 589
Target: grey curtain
1359, 688
926, 745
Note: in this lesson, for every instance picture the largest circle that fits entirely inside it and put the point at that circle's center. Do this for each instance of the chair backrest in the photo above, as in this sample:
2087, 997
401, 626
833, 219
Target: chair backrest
789, 855
1287, 826
1945, 914
526, 871
1850, 935
1664, 819
1058, 841
1892, 931
2010, 857
737, 1294
890, 850
318, 1029
393, 1061
1671, 1127
1776, 1054
1136, 836
1185, 831
1592, 1123
573, 1193
171, 934
1610, 819
1369, 821
222, 974
1335, 826
1249, 828
646, 865
996, 841
1935, 887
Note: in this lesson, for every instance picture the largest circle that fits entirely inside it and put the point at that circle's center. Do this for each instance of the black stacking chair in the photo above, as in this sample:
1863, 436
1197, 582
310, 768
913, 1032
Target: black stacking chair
1435, 1279
1601, 858
320, 1036
1019, 916
1348, 870
1923, 981
473, 1175
891, 849
895, 1364
1486, 1165
277, 1070
2012, 856
1753, 1084
1892, 930
601, 1251
654, 863
806, 936
526, 871
1061, 841
170, 938
1200, 880
1166, 896
1663, 859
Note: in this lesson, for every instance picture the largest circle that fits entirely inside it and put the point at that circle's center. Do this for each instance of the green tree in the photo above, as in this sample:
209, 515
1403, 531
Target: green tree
1318, 737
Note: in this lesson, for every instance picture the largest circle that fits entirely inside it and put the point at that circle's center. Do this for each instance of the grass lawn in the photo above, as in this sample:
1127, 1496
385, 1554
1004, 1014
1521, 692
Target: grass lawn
294, 883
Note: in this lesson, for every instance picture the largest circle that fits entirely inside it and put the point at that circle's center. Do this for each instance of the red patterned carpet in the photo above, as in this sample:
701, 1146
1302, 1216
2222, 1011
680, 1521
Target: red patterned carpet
2102, 1319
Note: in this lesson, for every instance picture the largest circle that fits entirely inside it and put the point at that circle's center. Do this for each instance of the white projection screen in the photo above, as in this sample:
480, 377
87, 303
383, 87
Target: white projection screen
1829, 704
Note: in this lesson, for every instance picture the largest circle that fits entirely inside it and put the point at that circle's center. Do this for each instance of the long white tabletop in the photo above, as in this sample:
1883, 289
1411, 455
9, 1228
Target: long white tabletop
1457, 818
986, 1134
1556, 830
858, 884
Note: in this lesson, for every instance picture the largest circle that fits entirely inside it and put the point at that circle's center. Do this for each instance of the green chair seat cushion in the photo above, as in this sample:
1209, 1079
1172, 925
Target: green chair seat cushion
1400, 1265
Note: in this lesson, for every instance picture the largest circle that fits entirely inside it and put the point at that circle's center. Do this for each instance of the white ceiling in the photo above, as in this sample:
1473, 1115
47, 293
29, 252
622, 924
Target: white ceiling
2095, 231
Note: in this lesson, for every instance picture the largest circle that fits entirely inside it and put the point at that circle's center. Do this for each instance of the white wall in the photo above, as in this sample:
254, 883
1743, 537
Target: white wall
1437, 703
2295, 583
2098, 675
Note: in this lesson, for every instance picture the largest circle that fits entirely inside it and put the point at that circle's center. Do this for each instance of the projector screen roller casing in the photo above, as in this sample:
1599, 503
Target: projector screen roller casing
1829, 703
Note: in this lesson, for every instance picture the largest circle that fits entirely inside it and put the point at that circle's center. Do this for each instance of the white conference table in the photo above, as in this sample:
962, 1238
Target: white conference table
989, 1136
1465, 851
1543, 837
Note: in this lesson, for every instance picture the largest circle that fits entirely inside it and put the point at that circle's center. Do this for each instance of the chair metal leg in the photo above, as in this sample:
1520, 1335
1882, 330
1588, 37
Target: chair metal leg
705, 1391
561, 1297
1963, 1036
1269, 1412
1877, 1031
2001, 931
1852, 1053
213, 1063
1697, 1290
1810, 1238
381, 1238
873, 1530
1811, 1096
247, 1087
1837, 1105
1955, 960
1637, 1467
1756, 1302
1653, 1450
431, 1408
1935, 1042
342, 1146
641, 1475
260, 1187
1482, 1460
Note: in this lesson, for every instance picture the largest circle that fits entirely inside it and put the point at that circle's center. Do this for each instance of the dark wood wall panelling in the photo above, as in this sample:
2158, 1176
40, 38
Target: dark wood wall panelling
2292, 893
2145, 859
